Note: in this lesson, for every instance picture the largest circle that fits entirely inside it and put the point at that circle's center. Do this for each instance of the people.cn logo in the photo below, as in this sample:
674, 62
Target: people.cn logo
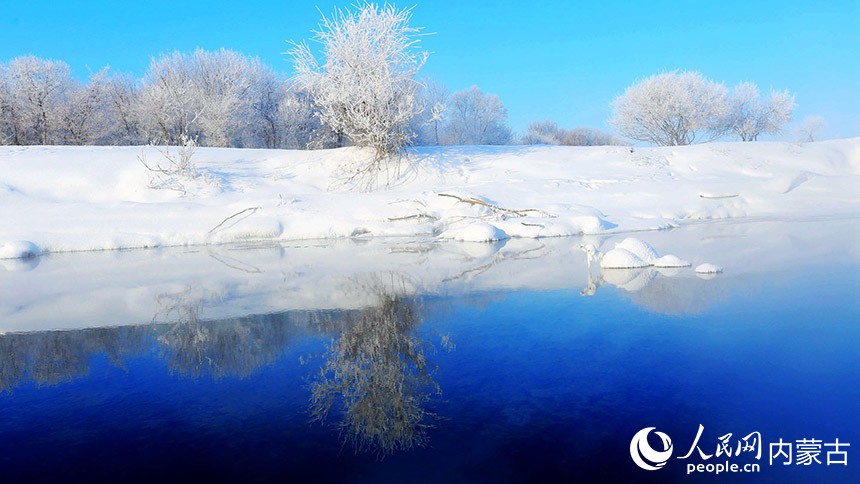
644, 455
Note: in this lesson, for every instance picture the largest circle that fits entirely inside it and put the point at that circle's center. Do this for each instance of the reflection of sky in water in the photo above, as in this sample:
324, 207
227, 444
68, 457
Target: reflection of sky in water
537, 384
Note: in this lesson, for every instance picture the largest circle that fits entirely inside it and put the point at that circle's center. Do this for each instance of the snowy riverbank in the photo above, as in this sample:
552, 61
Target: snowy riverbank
89, 198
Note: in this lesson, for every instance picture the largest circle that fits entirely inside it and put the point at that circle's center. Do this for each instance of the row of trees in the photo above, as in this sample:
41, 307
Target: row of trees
218, 98
547, 132
363, 89
223, 98
680, 108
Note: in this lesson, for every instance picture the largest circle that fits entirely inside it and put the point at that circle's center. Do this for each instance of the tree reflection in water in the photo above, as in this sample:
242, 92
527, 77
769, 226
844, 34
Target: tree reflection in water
376, 379
52, 357
377, 375
189, 345
234, 347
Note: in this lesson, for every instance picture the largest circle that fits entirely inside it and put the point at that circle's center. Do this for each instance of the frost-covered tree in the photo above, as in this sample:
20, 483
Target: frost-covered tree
122, 110
750, 116
264, 127
672, 108
547, 132
429, 123
169, 106
7, 112
86, 115
302, 127
475, 118
811, 129
544, 132
588, 137
365, 87
230, 86
207, 96
34, 100
284, 117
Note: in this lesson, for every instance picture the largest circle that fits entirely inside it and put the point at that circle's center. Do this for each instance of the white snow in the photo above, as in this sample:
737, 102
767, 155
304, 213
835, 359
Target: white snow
708, 268
18, 249
671, 261
640, 249
475, 232
619, 258
89, 198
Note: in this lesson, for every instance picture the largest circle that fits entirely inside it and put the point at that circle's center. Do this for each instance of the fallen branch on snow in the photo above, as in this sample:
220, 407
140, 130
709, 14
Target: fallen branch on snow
251, 209
519, 213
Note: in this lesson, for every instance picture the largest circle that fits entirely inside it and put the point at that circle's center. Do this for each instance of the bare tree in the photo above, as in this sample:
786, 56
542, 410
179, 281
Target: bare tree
365, 88
672, 108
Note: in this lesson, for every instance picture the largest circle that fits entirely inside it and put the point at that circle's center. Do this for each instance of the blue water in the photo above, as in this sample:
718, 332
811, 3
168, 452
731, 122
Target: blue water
495, 386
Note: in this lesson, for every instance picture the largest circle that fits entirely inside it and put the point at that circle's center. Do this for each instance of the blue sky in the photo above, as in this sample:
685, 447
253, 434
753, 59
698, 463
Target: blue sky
564, 60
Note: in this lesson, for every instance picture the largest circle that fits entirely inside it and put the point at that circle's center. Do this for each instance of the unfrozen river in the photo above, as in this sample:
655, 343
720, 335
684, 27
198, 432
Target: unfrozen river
401, 360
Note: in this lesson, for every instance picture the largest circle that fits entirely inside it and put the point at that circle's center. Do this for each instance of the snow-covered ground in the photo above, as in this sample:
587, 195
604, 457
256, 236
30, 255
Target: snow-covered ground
56, 199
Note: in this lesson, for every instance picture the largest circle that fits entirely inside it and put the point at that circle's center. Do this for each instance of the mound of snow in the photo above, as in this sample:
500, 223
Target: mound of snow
592, 224
476, 232
619, 258
19, 249
638, 248
670, 260
708, 268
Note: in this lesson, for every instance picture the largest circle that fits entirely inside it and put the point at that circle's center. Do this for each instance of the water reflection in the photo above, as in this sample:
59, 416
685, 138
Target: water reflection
377, 379
233, 347
672, 291
374, 381
52, 357
630, 280
189, 346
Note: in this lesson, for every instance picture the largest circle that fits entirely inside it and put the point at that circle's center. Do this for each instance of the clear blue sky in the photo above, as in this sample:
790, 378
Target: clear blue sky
564, 60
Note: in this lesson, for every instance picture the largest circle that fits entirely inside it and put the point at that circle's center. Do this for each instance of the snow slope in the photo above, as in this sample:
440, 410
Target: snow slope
55, 199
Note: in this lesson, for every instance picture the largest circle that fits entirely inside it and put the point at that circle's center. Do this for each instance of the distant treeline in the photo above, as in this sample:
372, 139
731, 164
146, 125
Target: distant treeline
224, 98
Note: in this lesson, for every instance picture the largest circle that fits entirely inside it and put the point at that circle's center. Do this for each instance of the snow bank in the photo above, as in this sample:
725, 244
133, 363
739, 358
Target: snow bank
90, 198
476, 232
92, 289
